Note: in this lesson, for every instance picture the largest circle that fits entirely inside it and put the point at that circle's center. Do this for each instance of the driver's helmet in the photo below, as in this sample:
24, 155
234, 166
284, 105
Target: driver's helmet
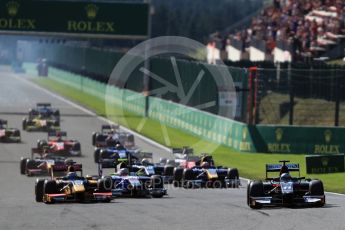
119, 146
284, 169
71, 175
205, 165
285, 177
124, 172
145, 162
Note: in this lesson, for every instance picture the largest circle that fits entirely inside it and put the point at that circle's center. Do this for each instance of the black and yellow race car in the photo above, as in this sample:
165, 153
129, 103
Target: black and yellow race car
42, 118
285, 189
73, 187
200, 171
7, 134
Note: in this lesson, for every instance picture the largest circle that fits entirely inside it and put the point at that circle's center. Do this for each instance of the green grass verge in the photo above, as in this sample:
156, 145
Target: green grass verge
250, 165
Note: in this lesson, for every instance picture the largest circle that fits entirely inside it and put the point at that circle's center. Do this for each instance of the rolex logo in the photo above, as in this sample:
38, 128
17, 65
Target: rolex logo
324, 161
12, 8
328, 135
279, 134
91, 11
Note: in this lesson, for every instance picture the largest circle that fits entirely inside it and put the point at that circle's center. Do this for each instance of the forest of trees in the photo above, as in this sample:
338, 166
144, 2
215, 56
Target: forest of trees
197, 19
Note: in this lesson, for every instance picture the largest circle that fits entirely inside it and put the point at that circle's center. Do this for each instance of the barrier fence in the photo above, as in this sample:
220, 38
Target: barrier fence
227, 132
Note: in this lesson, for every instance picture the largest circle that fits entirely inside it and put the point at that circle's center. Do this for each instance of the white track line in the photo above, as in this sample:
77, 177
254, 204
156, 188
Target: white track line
87, 111
158, 145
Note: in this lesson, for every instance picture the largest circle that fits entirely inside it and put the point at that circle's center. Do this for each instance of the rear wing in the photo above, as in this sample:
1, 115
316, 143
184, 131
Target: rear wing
52, 134
37, 151
65, 167
141, 155
110, 127
45, 105
3, 122
106, 164
184, 150
276, 168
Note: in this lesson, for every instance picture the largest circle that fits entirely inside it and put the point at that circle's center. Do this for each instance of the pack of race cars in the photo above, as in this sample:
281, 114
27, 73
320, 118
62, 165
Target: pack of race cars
124, 170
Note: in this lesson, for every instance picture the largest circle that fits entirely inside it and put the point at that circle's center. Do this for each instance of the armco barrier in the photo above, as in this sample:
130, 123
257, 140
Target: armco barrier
237, 135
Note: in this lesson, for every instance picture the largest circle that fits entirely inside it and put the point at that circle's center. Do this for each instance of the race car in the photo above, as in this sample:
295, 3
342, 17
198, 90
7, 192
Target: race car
200, 171
58, 144
185, 158
42, 118
108, 152
111, 135
73, 187
8, 134
41, 163
129, 183
285, 190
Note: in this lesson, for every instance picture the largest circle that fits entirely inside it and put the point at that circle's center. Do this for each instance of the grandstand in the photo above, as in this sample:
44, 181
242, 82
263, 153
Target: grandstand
286, 30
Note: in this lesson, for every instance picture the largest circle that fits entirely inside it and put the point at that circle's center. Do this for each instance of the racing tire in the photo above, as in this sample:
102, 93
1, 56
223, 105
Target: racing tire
233, 175
76, 147
316, 189
168, 170
49, 187
157, 183
93, 141
30, 164
23, 162
178, 174
96, 155
39, 186
105, 184
188, 174
255, 189
24, 124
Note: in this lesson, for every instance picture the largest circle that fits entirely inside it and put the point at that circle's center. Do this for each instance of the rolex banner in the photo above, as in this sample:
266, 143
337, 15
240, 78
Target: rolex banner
92, 19
329, 163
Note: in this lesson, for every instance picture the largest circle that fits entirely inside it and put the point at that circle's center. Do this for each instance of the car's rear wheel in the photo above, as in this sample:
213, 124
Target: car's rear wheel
30, 164
39, 186
234, 177
178, 174
94, 138
23, 162
157, 183
96, 155
105, 184
24, 124
50, 187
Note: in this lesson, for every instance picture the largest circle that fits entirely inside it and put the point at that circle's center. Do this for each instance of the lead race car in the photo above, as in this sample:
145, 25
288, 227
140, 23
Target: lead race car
73, 188
57, 143
285, 190
8, 134
42, 118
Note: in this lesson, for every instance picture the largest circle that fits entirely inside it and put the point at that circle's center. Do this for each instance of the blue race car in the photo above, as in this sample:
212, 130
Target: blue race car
128, 182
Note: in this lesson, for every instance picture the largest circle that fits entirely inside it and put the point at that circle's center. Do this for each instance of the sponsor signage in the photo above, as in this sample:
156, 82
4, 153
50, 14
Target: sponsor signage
92, 19
331, 163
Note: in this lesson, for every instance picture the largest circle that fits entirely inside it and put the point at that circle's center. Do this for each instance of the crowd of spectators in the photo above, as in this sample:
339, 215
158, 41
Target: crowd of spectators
306, 26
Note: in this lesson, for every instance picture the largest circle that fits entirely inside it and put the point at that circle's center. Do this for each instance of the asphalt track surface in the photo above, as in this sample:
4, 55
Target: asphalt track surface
182, 209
